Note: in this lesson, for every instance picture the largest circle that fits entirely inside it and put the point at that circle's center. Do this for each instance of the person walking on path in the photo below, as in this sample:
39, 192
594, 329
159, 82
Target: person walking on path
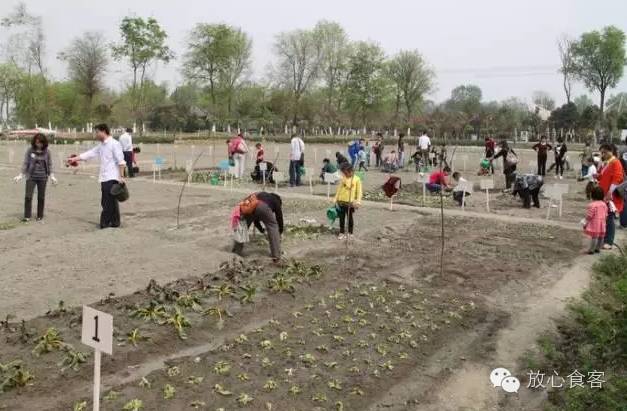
297, 159
542, 148
348, 199
510, 159
36, 168
610, 177
126, 141
267, 209
237, 151
112, 165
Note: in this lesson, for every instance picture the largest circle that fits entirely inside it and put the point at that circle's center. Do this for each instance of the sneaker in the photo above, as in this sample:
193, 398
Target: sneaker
341, 237
561, 178
607, 247
25, 220
351, 237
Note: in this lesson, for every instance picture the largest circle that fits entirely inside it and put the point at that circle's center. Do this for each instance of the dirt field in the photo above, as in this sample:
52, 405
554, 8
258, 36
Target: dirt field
372, 326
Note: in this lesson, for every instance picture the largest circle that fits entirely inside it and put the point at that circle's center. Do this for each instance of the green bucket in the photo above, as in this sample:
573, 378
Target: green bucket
485, 163
215, 180
331, 215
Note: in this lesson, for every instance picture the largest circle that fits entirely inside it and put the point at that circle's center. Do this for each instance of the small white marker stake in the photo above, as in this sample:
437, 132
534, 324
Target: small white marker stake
97, 332
487, 185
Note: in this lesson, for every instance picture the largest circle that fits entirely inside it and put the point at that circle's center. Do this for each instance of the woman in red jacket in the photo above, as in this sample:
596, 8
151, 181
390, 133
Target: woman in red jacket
610, 176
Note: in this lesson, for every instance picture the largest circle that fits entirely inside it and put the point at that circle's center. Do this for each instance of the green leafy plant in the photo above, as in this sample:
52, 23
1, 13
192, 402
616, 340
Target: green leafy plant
173, 371
50, 341
14, 375
80, 406
111, 396
270, 385
248, 294
217, 312
281, 283
219, 389
222, 291
244, 399
168, 392
134, 337
189, 301
222, 368
72, 359
133, 405
144, 383
195, 380
153, 312
178, 320
197, 404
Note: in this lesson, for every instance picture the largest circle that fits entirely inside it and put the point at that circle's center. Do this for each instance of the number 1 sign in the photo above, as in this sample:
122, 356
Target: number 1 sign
97, 333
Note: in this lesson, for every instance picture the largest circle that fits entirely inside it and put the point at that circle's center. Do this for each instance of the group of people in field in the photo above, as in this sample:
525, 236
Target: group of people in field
603, 171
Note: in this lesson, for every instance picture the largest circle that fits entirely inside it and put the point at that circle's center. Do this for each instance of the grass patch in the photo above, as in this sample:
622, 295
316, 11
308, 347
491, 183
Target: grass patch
593, 337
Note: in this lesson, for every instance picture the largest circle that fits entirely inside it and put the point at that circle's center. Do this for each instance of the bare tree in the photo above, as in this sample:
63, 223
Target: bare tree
87, 64
564, 45
25, 47
299, 55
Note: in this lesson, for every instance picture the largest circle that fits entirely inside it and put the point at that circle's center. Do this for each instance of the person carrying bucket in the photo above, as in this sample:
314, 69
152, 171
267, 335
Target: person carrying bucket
348, 199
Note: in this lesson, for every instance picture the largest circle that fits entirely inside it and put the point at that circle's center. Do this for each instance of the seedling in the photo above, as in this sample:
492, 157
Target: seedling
73, 359
13, 375
7, 321
243, 377
281, 284
111, 396
270, 385
144, 383
60, 310
294, 390
357, 391
265, 344
153, 312
173, 371
168, 392
80, 406
335, 384
222, 291
197, 404
339, 406
222, 368
195, 380
241, 339
134, 337
179, 322
248, 294
283, 336
50, 341
308, 359
265, 362
217, 312
319, 397
244, 399
189, 301
133, 405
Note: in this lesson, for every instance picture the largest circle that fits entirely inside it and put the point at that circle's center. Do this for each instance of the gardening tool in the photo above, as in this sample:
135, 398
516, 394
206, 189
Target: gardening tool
332, 215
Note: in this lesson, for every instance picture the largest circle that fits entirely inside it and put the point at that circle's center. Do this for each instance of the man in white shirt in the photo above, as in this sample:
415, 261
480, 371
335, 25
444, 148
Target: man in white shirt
112, 165
424, 144
126, 141
297, 151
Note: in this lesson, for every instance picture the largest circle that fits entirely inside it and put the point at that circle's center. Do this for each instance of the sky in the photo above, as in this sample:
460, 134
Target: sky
508, 48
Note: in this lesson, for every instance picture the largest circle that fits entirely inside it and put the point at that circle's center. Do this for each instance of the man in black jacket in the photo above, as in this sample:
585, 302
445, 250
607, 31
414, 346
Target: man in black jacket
269, 212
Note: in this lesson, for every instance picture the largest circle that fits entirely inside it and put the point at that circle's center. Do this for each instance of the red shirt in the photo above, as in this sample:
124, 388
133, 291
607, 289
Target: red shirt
490, 145
260, 155
438, 177
612, 173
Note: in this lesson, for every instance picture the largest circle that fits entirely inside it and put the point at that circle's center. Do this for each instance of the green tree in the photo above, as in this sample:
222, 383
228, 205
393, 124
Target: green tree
143, 42
218, 55
466, 99
335, 51
598, 60
87, 64
11, 78
413, 79
582, 102
366, 84
565, 117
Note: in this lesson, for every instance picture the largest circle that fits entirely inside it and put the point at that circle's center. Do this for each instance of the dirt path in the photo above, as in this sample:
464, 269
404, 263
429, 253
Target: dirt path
459, 373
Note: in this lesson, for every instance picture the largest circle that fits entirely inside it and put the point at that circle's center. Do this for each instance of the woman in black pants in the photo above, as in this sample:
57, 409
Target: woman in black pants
509, 163
542, 148
37, 167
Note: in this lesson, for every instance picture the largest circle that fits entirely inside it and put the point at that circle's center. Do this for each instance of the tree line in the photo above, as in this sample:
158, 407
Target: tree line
318, 80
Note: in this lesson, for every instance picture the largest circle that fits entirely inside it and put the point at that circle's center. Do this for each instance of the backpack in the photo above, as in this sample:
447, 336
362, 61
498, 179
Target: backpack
248, 205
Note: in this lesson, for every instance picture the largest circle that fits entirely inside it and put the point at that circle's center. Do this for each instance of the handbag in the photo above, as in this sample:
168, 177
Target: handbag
240, 234
511, 159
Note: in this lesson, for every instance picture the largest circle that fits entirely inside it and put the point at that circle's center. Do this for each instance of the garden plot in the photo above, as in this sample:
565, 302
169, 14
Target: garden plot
184, 340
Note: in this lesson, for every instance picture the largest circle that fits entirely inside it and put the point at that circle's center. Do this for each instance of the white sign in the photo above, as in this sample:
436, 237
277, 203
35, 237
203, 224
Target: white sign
486, 184
97, 330
263, 166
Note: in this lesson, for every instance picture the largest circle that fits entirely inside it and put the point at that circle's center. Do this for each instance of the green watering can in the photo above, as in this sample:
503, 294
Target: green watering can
332, 214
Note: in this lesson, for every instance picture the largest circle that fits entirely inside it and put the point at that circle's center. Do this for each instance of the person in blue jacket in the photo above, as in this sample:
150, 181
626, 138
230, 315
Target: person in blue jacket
353, 150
